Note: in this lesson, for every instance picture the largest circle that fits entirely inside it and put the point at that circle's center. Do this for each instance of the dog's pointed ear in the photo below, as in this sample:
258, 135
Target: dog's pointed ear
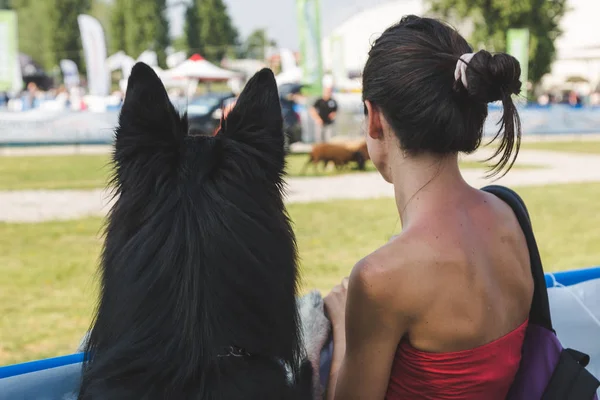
150, 127
256, 117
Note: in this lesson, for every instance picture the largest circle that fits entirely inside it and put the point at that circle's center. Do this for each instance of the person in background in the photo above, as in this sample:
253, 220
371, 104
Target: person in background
4, 99
30, 96
323, 113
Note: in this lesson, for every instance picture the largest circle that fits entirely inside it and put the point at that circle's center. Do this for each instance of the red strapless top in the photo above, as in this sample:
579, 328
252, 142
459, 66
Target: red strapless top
485, 372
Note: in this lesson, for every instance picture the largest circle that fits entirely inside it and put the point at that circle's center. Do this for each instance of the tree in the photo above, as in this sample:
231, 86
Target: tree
256, 44
102, 10
139, 26
32, 27
5, 5
48, 30
64, 35
117, 27
209, 29
180, 44
492, 18
193, 29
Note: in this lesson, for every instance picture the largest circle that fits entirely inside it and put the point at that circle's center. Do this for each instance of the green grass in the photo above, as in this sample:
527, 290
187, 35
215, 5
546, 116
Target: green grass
54, 172
48, 286
296, 162
333, 236
591, 146
92, 171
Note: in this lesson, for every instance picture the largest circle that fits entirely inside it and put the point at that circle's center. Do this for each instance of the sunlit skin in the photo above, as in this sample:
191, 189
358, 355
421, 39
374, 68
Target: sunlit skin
402, 289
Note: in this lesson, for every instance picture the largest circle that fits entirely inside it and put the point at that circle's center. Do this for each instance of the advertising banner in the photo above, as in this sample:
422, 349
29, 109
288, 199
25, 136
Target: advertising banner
94, 48
517, 45
309, 25
10, 69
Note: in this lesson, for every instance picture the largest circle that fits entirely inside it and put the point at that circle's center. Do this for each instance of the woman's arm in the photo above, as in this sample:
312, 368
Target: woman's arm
366, 343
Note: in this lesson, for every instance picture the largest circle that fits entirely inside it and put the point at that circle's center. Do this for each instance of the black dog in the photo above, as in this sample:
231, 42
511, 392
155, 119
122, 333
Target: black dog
199, 267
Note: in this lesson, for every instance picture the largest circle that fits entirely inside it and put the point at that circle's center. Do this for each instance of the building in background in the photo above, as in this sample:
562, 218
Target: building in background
577, 65
345, 48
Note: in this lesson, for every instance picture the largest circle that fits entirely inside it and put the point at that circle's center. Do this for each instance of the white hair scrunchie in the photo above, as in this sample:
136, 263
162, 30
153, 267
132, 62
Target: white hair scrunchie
461, 68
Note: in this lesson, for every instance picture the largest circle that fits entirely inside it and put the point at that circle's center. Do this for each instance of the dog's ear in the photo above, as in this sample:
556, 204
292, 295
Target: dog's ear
256, 117
150, 129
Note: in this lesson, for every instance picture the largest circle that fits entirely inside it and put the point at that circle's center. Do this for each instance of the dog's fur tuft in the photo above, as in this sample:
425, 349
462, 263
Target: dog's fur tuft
199, 256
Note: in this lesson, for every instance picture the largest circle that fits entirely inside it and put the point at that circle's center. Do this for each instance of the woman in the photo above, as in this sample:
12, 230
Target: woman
440, 311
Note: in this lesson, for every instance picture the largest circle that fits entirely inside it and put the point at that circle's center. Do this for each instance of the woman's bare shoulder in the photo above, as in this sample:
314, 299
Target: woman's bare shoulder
394, 275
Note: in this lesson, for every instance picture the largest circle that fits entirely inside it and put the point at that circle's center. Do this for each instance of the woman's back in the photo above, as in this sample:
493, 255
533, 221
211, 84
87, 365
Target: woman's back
472, 250
457, 278
477, 287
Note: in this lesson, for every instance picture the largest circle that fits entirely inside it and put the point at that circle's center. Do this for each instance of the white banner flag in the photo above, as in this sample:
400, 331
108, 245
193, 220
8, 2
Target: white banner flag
94, 48
70, 73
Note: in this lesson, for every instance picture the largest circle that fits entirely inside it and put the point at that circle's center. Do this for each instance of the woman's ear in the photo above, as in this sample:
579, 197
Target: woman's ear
374, 125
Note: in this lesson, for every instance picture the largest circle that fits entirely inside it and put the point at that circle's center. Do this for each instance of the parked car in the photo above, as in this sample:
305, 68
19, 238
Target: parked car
205, 111
292, 125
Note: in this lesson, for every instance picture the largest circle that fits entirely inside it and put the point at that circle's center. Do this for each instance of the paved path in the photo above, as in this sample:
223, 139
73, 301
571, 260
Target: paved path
43, 205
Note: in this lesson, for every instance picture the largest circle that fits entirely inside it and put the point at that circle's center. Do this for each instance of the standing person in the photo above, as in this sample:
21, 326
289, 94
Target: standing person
441, 310
323, 113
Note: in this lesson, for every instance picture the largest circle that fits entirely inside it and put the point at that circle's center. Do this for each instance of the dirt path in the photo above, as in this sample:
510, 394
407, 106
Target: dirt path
43, 205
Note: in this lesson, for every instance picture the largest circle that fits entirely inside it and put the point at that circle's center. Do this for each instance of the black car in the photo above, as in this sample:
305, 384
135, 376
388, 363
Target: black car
292, 125
205, 112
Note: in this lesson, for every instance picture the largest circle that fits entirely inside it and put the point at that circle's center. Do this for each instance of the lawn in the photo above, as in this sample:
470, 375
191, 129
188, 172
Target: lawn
92, 171
54, 172
575, 146
48, 286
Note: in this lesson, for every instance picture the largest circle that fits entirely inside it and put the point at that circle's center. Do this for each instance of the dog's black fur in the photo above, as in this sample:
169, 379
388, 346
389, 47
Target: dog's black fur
199, 256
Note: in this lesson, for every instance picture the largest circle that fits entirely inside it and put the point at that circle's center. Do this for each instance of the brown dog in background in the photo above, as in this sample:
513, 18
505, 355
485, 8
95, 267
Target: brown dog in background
341, 154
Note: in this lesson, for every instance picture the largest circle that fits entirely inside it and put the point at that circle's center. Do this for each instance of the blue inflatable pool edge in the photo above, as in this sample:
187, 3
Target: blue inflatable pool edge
572, 277
38, 365
566, 278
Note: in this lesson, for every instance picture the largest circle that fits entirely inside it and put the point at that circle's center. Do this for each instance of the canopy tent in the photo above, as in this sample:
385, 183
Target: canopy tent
196, 67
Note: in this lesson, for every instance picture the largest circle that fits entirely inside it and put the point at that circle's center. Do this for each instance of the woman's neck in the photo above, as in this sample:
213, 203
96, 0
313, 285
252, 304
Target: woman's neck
424, 182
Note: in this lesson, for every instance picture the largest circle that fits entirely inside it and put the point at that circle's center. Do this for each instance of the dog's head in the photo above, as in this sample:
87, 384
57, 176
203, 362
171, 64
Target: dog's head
199, 252
154, 137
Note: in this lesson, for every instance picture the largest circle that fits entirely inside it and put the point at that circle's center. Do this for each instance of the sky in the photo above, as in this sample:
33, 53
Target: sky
278, 17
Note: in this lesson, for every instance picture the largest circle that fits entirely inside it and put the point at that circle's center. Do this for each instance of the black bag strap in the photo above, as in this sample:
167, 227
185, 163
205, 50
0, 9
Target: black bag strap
570, 380
540, 307
581, 358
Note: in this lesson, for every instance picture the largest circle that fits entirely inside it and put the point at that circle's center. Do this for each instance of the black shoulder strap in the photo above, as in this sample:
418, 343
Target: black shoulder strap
540, 307
570, 379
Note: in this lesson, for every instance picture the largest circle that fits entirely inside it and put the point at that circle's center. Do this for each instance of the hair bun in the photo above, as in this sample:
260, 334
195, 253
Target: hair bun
492, 77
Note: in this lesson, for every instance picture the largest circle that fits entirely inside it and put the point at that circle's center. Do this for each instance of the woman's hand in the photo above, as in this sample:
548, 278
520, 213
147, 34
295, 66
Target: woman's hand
335, 305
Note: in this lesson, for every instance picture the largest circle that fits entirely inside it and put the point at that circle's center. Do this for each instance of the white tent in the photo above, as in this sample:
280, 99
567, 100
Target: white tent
121, 61
196, 67
175, 59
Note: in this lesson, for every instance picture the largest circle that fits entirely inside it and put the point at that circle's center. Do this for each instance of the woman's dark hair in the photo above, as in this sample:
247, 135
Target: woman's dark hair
409, 77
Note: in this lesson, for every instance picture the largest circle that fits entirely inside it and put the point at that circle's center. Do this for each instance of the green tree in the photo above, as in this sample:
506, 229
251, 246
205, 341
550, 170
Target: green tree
64, 35
192, 30
180, 44
256, 44
48, 30
5, 5
492, 18
102, 10
212, 32
33, 29
117, 26
140, 25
